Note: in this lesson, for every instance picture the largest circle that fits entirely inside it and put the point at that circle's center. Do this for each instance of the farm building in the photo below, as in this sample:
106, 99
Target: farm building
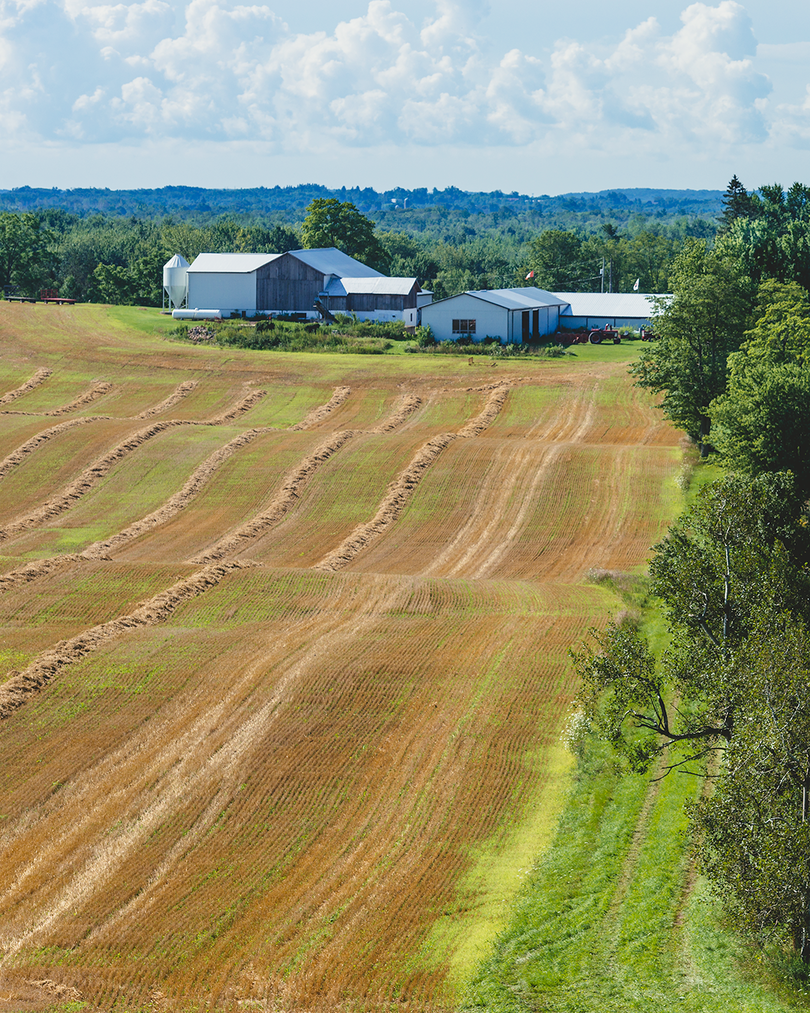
378, 298
514, 315
586, 310
510, 314
248, 283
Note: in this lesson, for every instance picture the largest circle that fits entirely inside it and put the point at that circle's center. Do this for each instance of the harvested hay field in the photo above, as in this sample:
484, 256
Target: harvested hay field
284, 654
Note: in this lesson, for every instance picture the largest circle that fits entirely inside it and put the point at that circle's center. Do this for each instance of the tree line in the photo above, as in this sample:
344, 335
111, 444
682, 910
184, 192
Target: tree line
467, 245
730, 695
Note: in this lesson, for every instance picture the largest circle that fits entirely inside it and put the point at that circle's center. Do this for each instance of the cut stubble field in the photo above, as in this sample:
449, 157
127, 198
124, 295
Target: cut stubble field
285, 654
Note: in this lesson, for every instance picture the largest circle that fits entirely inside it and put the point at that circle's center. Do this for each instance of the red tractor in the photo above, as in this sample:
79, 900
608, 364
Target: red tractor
597, 336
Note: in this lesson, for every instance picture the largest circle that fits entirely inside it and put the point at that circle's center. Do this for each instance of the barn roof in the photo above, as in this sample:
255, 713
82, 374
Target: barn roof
231, 263
609, 304
370, 286
332, 261
511, 298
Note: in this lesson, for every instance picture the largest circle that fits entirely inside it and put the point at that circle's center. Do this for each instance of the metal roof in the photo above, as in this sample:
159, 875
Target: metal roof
178, 260
609, 304
511, 298
332, 261
231, 263
370, 286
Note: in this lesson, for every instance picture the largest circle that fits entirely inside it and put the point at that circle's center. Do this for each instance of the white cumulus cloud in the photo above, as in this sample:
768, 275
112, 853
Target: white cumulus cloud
220, 69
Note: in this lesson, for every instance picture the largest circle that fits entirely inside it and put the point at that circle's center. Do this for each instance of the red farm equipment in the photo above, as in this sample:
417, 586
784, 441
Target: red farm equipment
598, 335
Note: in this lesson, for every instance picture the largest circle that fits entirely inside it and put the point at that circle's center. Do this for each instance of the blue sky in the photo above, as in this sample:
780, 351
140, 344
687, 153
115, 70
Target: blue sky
539, 98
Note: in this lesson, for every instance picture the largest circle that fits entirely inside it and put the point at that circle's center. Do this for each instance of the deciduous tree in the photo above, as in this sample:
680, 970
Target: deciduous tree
330, 222
24, 251
762, 421
699, 326
735, 683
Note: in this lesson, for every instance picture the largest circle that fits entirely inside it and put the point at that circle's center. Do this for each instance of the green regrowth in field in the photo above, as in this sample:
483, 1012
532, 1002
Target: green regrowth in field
611, 918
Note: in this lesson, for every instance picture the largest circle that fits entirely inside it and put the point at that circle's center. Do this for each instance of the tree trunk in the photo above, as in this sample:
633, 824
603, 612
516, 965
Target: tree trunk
703, 443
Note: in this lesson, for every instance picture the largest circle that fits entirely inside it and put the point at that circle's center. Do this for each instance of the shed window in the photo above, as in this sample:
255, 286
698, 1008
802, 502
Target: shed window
463, 327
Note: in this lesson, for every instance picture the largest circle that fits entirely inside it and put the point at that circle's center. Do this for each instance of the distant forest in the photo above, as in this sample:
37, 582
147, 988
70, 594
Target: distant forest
109, 245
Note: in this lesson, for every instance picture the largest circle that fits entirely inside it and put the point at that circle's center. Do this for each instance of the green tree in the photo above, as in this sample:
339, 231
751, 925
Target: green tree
699, 326
737, 203
330, 222
753, 831
732, 578
555, 256
25, 254
774, 242
761, 422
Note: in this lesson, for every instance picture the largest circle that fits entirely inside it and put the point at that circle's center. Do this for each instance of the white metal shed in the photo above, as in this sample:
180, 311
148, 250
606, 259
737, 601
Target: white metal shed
586, 310
511, 315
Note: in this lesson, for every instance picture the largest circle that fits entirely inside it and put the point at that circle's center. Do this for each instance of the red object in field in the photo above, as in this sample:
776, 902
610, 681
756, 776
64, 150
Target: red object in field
52, 295
597, 336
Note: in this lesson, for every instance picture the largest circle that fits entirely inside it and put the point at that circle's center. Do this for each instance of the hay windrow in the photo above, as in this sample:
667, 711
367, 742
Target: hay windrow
182, 391
398, 494
38, 568
323, 411
65, 992
288, 494
99, 469
402, 488
180, 500
490, 412
18, 689
238, 409
281, 503
18, 455
405, 407
87, 480
88, 397
39, 377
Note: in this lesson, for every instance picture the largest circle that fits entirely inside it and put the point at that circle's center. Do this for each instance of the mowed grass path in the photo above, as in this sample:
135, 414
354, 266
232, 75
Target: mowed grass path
311, 779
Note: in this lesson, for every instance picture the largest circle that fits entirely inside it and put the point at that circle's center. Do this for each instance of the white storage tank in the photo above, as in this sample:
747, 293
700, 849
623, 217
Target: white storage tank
175, 282
196, 314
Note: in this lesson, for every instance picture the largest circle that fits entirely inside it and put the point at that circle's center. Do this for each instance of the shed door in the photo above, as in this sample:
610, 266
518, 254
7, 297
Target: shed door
526, 321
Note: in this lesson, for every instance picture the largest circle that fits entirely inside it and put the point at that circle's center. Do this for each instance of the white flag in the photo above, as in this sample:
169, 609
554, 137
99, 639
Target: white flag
635, 287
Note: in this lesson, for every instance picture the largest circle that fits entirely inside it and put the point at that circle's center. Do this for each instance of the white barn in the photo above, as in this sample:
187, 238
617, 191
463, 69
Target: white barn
294, 282
512, 315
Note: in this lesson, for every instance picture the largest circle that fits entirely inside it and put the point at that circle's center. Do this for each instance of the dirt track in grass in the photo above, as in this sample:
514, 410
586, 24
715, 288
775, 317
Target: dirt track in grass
254, 742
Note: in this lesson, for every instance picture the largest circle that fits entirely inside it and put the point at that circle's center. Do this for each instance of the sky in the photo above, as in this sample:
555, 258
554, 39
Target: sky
541, 98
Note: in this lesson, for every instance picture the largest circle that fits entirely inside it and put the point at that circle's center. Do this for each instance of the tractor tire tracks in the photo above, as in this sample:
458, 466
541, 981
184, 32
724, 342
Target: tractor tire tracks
402, 488
237, 540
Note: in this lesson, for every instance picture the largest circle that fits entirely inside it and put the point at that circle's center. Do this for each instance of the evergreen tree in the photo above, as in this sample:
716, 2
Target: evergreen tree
737, 203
